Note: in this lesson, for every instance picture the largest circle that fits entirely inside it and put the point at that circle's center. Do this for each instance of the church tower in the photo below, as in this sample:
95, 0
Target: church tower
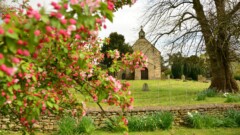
153, 70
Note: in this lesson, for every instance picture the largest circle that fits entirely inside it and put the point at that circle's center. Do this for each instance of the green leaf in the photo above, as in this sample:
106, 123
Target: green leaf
45, 18
12, 35
50, 104
16, 87
11, 45
34, 78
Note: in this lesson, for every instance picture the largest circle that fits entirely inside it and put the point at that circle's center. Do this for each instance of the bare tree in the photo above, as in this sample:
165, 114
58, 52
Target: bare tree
209, 25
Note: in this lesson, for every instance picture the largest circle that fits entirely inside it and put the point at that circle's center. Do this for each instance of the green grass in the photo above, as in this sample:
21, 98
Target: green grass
170, 93
167, 93
174, 131
181, 131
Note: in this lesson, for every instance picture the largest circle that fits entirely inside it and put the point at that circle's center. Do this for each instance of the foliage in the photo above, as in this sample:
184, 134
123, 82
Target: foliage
204, 26
67, 126
234, 115
116, 41
152, 122
197, 120
230, 98
116, 124
143, 123
191, 66
85, 126
164, 120
206, 93
43, 56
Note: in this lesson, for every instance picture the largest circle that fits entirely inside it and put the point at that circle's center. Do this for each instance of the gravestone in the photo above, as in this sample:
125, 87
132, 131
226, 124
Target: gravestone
183, 77
145, 87
168, 77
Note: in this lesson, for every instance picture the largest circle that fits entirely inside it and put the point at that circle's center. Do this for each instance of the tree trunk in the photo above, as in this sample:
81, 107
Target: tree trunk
222, 77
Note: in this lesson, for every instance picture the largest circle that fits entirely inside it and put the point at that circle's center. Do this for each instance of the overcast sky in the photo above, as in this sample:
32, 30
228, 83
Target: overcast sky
127, 21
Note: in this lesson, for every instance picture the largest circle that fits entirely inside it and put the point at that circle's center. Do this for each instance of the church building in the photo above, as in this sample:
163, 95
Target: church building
153, 70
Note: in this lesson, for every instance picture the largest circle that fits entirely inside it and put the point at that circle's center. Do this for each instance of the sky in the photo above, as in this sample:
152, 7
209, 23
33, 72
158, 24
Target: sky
127, 20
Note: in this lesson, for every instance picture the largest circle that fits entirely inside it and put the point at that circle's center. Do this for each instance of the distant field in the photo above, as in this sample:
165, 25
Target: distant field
174, 131
168, 93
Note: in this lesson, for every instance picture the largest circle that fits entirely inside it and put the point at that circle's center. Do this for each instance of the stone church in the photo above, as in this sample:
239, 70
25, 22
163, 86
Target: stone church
153, 70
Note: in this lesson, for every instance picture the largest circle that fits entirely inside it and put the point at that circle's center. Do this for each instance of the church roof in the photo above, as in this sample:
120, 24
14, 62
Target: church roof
142, 40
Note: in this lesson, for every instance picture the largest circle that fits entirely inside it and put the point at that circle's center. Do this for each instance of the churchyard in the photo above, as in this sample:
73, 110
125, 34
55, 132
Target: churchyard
58, 76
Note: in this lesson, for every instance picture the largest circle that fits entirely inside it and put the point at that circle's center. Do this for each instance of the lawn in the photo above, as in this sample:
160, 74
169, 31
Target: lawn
174, 131
182, 131
168, 93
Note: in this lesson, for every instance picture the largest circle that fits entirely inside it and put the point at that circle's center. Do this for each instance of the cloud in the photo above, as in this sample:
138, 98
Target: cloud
127, 21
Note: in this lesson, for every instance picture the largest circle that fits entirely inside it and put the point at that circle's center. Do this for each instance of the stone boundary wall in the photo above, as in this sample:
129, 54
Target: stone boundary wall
49, 123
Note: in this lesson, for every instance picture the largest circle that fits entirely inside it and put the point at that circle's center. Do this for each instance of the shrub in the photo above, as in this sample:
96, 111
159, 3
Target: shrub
164, 120
114, 125
146, 123
67, 126
234, 115
237, 77
206, 93
85, 126
201, 96
197, 120
161, 120
232, 98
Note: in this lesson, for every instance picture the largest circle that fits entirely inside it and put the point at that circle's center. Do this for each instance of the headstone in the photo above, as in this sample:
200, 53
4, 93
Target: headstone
168, 77
183, 77
200, 78
145, 87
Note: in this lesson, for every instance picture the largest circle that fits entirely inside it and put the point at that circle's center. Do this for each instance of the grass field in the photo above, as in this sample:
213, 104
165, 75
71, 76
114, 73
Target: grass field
182, 131
174, 131
168, 93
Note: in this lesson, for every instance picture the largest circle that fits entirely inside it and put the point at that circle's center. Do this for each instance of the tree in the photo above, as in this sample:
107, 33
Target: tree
116, 41
210, 25
45, 57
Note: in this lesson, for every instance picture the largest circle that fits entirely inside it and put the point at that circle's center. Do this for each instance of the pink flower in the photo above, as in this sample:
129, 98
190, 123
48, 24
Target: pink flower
63, 21
15, 60
1, 56
26, 53
20, 51
110, 5
1, 30
37, 32
49, 28
72, 21
39, 5
3, 93
74, 1
6, 20
20, 42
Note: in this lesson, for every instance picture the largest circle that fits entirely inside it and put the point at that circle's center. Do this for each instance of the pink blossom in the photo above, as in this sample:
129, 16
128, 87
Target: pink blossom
26, 53
63, 21
6, 20
15, 60
20, 42
72, 21
49, 28
3, 93
74, 1
1, 30
20, 51
37, 32
110, 5
1, 56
